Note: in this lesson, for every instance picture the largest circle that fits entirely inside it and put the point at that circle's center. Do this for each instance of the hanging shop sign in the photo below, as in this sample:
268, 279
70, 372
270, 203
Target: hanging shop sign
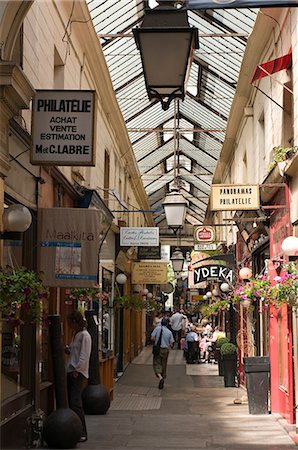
149, 273
212, 272
138, 237
204, 234
69, 243
219, 4
205, 247
149, 252
233, 197
63, 128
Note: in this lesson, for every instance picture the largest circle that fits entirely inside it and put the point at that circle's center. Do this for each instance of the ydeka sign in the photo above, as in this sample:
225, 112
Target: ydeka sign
212, 272
63, 128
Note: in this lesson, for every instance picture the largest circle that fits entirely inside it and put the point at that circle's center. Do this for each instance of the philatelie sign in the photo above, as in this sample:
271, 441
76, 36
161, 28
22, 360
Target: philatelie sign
204, 234
232, 197
63, 128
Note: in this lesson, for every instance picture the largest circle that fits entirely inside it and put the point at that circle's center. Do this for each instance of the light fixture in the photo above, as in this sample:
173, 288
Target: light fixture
205, 297
209, 294
175, 209
121, 278
224, 287
149, 295
166, 42
137, 288
145, 292
215, 293
290, 246
245, 273
16, 218
177, 259
254, 225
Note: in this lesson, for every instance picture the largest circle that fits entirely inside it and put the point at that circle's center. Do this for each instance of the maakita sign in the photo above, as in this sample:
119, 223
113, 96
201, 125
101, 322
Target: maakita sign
213, 272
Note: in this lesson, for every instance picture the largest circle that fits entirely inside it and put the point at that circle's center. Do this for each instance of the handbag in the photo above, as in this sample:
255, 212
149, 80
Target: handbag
156, 347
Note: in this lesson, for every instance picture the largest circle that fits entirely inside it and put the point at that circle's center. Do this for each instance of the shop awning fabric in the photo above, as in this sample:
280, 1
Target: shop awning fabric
276, 65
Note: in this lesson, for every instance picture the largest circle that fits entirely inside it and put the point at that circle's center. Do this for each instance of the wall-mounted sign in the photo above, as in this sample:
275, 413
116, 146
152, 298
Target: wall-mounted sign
138, 237
231, 197
205, 247
149, 252
212, 272
149, 273
204, 233
63, 128
69, 240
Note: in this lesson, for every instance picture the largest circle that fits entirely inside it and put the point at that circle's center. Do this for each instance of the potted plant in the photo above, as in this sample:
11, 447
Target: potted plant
228, 352
218, 358
23, 296
280, 156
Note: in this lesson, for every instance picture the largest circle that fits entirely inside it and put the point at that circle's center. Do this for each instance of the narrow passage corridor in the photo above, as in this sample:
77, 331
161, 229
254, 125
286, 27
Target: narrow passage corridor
193, 411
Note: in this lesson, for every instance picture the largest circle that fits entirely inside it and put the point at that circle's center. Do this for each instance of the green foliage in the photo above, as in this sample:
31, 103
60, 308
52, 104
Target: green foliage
87, 295
280, 154
207, 311
283, 290
228, 349
130, 301
221, 341
22, 295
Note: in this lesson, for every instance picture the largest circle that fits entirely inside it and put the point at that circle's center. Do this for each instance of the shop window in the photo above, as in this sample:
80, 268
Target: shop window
106, 177
107, 278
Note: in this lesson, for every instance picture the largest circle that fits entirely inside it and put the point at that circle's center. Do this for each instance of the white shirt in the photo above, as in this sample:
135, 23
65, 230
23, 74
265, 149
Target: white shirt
80, 349
106, 323
176, 321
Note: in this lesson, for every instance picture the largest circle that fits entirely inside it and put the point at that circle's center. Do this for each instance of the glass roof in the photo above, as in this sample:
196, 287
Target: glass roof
199, 121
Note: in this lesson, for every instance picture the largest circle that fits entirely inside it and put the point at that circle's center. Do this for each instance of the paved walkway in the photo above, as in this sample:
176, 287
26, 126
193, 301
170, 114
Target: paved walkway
193, 411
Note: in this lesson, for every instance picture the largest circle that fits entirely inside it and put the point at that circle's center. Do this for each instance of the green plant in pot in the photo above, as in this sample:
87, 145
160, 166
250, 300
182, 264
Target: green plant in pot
228, 353
218, 358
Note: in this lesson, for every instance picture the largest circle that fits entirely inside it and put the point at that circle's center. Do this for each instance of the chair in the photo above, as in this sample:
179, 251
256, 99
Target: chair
192, 352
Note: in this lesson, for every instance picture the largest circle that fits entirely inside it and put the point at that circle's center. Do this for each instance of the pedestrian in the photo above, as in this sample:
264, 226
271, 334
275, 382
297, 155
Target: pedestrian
177, 321
160, 361
106, 329
77, 367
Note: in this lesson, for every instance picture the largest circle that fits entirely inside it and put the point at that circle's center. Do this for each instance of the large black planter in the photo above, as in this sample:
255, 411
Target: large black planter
95, 397
230, 369
62, 428
257, 369
220, 364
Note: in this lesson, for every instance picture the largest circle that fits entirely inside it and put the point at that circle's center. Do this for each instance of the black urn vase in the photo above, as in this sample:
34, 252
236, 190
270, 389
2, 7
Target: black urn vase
96, 397
62, 428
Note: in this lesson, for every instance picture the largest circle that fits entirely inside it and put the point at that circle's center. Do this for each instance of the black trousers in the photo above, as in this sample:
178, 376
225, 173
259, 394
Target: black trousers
75, 387
177, 336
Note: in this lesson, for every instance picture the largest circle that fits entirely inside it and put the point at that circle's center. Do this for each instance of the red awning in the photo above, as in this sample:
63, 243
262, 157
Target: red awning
284, 62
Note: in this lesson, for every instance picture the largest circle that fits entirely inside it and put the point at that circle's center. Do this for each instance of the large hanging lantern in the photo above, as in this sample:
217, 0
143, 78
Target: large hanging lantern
177, 259
166, 43
175, 209
16, 218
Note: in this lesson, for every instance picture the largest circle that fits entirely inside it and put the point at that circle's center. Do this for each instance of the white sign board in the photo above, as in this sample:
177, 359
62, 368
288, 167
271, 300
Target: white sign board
232, 197
136, 237
63, 128
202, 247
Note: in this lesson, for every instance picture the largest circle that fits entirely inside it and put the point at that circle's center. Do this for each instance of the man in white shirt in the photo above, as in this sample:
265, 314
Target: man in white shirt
176, 322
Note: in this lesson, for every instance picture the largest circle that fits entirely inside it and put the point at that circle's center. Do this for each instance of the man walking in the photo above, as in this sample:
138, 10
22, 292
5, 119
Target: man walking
161, 359
176, 321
